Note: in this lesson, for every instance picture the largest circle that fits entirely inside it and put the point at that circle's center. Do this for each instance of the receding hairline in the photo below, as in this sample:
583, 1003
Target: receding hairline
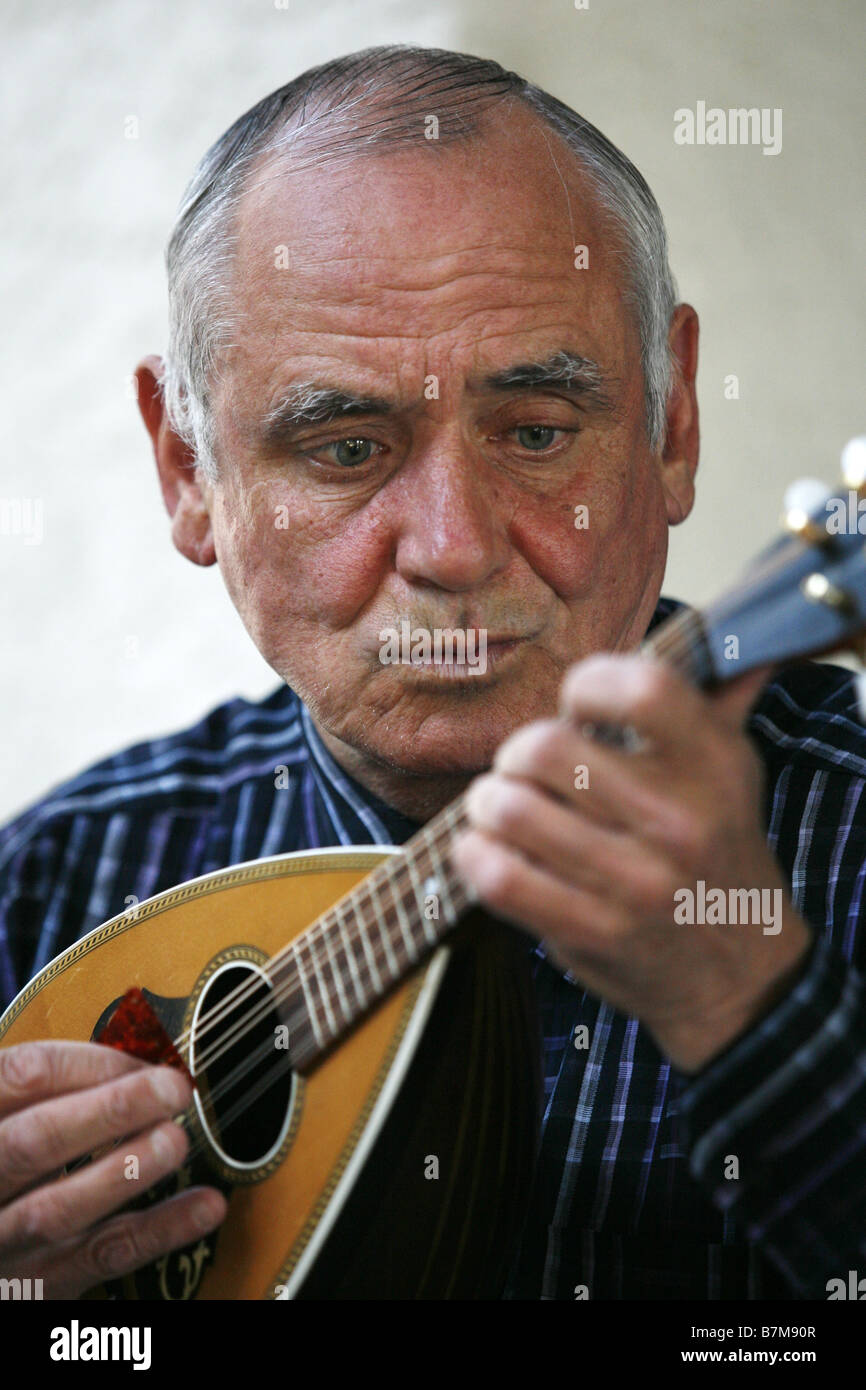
275, 162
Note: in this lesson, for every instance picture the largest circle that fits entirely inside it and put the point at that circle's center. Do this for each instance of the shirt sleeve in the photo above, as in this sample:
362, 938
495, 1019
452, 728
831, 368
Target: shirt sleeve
776, 1126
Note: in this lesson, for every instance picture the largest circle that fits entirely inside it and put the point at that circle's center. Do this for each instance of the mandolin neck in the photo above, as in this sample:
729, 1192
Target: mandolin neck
681, 642
370, 940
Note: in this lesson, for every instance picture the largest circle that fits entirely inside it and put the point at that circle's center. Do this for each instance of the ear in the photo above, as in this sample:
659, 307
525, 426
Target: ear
679, 458
184, 490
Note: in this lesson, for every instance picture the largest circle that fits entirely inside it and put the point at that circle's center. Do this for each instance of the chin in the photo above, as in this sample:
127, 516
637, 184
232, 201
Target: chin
450, 742
430, 725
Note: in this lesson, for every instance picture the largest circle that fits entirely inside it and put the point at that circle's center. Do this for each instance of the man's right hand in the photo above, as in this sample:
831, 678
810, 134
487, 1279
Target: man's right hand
60, 1101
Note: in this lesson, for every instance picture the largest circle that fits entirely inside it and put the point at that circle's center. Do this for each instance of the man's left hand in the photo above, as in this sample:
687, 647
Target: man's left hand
586, 844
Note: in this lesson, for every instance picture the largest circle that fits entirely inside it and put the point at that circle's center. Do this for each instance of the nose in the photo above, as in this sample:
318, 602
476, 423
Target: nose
450, 527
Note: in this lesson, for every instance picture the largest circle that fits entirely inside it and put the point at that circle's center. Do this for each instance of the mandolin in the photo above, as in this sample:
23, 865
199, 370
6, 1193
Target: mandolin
360, 1034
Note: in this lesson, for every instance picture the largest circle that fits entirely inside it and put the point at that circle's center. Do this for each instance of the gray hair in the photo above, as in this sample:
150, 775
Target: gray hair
378, 98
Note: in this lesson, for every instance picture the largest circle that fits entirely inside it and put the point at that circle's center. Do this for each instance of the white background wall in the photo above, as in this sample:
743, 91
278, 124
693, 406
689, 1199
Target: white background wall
108, 635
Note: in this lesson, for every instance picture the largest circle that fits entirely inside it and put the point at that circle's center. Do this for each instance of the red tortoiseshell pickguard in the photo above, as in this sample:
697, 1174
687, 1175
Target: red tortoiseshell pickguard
135, 1028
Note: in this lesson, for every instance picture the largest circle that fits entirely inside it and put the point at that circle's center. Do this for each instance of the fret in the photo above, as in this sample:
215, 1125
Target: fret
681, 642
365, 942
308, 997
393, 964
327, 932
442, 874
323, 990
430, 887
402, 919
331, 1008
360, 994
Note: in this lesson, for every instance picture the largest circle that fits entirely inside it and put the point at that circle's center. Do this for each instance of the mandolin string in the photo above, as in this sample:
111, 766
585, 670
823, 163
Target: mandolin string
364, 975
201, 1143
266, 1008
283, 1063
324, 924
402, 877
216, 1094
289, 956
364, 895
292, 955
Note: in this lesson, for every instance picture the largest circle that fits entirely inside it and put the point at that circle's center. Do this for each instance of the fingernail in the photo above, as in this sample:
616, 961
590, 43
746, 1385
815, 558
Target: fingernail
164, 1144
208, 1211
170, 1087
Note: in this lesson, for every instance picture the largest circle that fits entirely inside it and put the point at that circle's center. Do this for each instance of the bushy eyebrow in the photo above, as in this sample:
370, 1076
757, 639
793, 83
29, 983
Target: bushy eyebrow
307, 403
580, 375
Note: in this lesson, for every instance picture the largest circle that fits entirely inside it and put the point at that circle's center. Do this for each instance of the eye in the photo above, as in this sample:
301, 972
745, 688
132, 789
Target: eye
535, 437
350, 453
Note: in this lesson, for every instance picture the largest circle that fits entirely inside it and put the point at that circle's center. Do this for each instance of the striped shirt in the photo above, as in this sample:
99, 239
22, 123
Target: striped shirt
746, 1180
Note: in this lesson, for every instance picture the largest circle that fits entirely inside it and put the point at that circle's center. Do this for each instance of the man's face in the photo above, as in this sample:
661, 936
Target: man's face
415, 281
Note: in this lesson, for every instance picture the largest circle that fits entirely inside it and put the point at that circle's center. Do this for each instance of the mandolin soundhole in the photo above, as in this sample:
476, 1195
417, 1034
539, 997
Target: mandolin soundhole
239, 1051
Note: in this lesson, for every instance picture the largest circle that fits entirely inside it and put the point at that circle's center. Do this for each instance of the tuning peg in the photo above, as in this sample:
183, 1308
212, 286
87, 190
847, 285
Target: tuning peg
803, 506
819, 589
854, 463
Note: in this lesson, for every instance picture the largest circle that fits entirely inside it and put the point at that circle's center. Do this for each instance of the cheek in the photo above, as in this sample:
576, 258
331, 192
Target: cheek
560, 553
608, 531
282, 559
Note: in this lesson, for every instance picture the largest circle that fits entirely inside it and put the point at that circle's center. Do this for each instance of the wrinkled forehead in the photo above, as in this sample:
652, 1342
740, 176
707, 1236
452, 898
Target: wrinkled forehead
510, 198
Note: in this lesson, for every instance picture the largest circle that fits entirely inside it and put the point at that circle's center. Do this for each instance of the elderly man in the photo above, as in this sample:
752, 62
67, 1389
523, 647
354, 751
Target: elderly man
421, 320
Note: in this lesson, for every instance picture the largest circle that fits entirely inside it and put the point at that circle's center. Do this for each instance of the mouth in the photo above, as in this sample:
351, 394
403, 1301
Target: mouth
490, 658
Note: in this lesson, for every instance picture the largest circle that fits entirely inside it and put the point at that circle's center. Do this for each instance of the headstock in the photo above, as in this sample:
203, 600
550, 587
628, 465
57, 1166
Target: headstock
805, 595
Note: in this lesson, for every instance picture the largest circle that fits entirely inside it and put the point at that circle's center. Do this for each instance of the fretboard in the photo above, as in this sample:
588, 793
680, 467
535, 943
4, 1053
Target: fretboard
681, 643
368, 941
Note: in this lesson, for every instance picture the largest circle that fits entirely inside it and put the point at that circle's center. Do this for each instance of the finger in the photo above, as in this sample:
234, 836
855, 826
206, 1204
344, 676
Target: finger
60, 1210
530, 896
616, 789
557, 837
37, 1141
36, 1071
131, 1241
639, 692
